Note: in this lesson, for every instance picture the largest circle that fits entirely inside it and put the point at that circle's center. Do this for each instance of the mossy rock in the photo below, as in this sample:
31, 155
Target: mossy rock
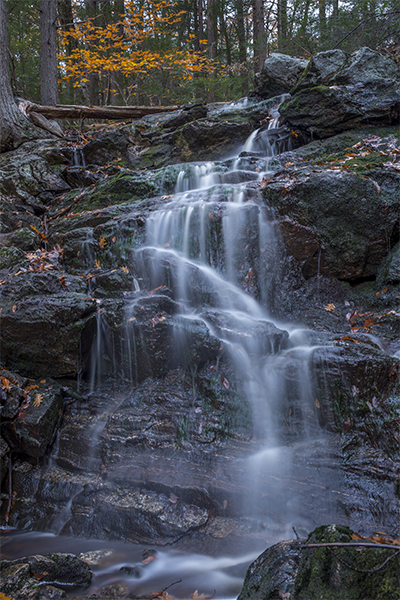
338, 573
12, 257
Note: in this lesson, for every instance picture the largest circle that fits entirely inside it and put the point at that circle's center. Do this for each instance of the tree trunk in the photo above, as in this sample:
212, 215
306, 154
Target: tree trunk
92, 96
282, 24
14, 127
48, 53
241, 32
66, 19
322, 22
212, 28
259, 35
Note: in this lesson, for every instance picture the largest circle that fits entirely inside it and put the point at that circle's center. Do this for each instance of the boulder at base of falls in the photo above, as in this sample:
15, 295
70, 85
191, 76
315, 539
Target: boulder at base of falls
291, 570
279, 75
365, 89
38, 577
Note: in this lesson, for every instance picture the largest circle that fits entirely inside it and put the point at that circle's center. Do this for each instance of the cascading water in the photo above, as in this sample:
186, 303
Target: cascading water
215, 249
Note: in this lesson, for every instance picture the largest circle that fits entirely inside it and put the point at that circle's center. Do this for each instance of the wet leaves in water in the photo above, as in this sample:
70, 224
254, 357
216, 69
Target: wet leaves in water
197, 596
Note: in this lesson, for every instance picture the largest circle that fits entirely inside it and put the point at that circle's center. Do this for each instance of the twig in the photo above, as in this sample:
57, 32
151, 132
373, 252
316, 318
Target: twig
296, 534
363, 570
65, 210
165, 589
351, 544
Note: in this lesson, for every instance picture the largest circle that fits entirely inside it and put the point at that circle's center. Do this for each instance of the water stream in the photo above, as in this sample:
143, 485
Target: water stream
217, 247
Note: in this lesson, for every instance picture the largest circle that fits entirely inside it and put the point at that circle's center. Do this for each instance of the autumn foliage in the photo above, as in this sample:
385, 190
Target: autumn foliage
142, 41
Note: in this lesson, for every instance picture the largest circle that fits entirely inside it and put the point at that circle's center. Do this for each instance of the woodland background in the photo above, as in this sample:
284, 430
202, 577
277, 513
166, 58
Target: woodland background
162, 52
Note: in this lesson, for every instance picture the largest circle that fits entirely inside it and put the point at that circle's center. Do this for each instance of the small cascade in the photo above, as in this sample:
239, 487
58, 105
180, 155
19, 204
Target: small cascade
78, 158
103, 362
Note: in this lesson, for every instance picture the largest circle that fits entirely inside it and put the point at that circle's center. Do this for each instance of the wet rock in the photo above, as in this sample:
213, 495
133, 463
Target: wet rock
48, 335
15, 215
279, 75
343, 217
24, 238
4, 454
273, 573
33, 430
389, 272
35, 577
31, 283
185, 116
12, 258
322, 573
365, 89
133, 515
364, 66
320, 69
24, 176
12, 394
105, 147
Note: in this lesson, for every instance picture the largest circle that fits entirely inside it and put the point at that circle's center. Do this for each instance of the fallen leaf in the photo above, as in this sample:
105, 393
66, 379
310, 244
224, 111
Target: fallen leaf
124, 269
197, 596
14, 308
172, 498
317, 404
42, 381
346, 425
355, 390
102, 241
97, 264
329, 307
38, 400
289, 164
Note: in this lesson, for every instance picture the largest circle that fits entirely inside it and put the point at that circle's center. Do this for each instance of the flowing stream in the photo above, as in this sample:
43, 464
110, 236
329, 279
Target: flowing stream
218, 247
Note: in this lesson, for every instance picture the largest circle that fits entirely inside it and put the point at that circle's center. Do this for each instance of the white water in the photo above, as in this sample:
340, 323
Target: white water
214, 243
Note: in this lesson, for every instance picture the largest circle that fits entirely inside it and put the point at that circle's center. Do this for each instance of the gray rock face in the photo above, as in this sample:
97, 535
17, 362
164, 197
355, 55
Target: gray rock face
364, 66
279, 75
36, 577
332, 98
273, 573
320, 68
290, 569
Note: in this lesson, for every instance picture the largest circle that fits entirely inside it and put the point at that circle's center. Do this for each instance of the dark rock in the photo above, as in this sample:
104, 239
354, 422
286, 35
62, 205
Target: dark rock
320, 69
364, 66
186, 116
389, 272
279, 75
273, 573
48, 335
33, 430
323, 574
31, 283
23, 238
365, 89
4, 454
12, 258
339, 222
25, 175
34, 577
105, 147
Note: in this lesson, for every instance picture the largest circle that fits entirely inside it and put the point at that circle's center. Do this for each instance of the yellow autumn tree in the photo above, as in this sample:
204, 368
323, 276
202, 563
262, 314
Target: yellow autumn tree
141, 47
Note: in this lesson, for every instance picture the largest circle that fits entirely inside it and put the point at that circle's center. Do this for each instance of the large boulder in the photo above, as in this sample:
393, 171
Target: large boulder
279, 75
336, 95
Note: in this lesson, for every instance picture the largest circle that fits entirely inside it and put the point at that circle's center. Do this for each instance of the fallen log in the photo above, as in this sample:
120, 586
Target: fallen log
71, 111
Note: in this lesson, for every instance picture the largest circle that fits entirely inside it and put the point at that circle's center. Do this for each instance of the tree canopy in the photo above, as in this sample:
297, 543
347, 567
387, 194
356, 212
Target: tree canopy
175, 51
